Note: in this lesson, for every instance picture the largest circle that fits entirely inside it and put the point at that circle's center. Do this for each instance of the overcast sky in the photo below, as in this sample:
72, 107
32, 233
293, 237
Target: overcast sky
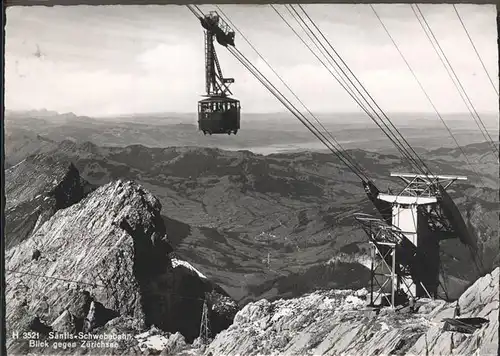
111, 60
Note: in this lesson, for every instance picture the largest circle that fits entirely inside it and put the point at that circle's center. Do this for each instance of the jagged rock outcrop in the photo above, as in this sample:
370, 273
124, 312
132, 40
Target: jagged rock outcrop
338, 322
104, 258
35, 189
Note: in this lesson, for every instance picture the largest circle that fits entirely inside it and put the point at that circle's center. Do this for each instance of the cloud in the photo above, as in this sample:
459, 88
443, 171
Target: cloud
162, 78
110, 60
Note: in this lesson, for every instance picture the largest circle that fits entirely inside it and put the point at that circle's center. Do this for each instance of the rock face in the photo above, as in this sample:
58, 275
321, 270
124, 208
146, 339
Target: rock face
35, 189
103, 258
338, 322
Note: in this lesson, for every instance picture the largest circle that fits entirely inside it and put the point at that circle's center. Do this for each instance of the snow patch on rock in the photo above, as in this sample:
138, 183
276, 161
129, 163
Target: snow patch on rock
342, 257
157, 340
176, 263
149, 340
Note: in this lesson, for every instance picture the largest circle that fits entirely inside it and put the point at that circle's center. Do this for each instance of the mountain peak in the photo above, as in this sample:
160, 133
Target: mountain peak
111, 246
35, 189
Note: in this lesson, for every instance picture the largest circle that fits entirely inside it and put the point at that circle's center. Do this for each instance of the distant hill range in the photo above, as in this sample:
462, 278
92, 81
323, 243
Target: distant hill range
260, 133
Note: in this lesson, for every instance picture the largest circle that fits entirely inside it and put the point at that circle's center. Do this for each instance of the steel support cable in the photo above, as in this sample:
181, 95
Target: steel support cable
194, 9
339, 78
54, 278
400, 147
315, 41
342, 151
453, 76
475, 49
290, 107
269, 86
346, 85
424, 169
343, 86
364, 89
298, 114
425, 92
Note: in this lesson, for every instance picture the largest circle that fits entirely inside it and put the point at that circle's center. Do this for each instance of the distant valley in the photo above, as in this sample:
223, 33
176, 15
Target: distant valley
260, 225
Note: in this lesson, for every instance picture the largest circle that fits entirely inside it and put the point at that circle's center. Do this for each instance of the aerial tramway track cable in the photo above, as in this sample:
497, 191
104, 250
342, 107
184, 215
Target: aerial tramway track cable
412, 158
194, 9
475, 49
425, 92
344, 85
238, 55
340, 79
453, 76
341, 150
360, 84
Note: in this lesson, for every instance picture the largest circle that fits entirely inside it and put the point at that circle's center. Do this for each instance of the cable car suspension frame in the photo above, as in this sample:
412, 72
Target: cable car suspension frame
218, 113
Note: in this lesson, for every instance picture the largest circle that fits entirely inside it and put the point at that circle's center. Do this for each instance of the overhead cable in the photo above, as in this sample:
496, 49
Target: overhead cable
453, 76
475, 49
425, 93
388, 131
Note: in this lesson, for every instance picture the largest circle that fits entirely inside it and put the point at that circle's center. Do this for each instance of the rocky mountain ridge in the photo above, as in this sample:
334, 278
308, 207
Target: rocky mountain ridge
104, 258
339, 323
36, 189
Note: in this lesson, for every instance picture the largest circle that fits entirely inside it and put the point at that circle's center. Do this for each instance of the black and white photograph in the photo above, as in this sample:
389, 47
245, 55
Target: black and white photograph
251, 179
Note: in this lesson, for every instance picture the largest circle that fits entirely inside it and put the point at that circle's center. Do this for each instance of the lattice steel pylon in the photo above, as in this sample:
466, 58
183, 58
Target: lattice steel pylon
405, 245
205, 324
391, 260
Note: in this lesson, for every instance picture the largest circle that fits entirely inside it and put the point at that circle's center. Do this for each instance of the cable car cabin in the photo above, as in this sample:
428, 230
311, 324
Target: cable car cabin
219, 115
